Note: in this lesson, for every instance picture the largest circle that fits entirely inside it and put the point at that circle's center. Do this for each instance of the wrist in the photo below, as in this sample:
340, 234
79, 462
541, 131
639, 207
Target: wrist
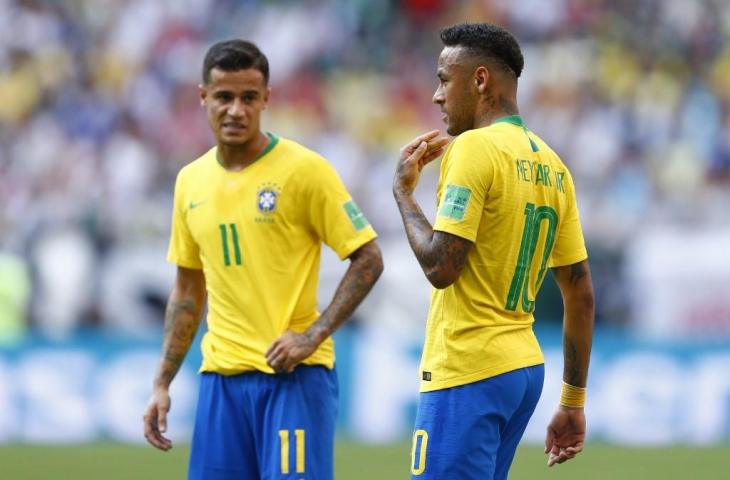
160, 384
572, 396
316, 335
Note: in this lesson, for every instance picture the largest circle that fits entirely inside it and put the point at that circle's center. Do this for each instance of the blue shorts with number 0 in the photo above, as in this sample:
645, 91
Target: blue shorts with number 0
258, 426
471, 432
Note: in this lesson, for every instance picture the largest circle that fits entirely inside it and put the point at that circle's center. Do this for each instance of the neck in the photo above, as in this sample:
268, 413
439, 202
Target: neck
236, 157
495, 106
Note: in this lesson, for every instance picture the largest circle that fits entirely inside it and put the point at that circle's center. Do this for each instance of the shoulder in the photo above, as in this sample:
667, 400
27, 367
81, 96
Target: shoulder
302, 160
473, 150
197, 167
481, 141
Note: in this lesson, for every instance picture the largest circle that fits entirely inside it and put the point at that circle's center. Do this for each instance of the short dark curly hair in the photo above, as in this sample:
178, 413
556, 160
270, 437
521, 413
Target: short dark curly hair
232, 55
487, 41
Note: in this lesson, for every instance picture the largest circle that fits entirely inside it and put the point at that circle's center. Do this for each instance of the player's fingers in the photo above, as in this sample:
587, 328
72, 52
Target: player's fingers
552, 459
418, 152
409, 148
153, 436
575, 450
278, 359
431, 156
563, 457
273, 360
549, 439
421, 138
439, 142
272, 347
149, 426
275, 350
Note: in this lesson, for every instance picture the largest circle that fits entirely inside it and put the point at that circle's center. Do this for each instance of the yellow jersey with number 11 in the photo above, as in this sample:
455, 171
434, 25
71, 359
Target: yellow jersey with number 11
257, 236
502, 188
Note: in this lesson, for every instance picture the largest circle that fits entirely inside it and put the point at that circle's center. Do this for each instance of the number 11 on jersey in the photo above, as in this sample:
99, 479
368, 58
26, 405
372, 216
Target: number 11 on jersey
234, 240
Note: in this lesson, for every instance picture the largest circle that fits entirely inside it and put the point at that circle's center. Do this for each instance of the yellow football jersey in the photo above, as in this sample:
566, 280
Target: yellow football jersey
257, 236
505, 190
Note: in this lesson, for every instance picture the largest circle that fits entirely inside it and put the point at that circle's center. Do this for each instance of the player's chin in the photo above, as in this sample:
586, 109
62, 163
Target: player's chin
233, 138
453, 130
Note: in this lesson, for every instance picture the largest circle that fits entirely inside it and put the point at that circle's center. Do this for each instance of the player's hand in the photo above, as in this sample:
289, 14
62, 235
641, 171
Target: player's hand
566, 435
155, 419
289, 350
413, 157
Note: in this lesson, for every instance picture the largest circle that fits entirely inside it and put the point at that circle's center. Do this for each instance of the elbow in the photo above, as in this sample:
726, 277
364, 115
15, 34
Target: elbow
369, 260
376, 265
440, 279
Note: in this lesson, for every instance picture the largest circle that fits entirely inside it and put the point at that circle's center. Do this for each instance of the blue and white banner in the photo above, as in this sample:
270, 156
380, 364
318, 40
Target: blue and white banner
96, 388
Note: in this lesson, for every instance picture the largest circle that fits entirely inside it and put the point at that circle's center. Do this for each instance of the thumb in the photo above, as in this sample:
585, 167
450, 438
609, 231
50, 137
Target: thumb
162, 418
549, 439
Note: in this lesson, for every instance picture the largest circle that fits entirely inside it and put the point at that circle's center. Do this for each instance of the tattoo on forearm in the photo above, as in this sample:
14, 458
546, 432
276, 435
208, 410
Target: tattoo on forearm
573, 372
182, 318
436, 252
359, 279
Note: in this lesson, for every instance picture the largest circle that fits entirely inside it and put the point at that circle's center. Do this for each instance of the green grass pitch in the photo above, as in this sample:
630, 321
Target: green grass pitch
359, 462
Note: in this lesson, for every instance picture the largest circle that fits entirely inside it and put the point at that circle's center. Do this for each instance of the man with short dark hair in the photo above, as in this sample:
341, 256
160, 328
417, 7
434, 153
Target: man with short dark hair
506, 212
248, 222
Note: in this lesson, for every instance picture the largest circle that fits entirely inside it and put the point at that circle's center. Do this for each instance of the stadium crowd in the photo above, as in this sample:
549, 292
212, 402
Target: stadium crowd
99, 110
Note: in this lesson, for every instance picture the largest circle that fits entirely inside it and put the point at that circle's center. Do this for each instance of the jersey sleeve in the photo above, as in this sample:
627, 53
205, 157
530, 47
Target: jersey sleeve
333, 214
183, 251
466, 177
569, 245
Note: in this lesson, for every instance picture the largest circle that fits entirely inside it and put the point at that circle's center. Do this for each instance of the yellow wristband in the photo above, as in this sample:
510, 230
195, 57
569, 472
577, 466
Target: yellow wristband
572, 396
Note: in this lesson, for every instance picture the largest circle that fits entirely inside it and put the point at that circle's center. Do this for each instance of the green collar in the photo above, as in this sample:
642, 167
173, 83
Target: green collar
517, 121
273, 141
513, 119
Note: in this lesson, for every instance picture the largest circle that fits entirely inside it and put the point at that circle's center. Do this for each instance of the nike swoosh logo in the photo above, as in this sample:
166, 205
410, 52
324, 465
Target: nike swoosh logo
193, 205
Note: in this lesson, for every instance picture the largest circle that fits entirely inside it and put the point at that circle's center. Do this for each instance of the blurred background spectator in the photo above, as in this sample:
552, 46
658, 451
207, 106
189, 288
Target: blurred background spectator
98, 111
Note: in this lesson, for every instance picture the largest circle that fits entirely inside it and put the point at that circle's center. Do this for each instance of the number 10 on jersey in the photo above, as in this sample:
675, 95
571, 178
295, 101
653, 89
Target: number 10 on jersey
520, 286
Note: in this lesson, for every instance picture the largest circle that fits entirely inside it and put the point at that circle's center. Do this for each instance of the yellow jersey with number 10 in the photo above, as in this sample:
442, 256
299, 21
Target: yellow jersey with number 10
257, 236
505, 190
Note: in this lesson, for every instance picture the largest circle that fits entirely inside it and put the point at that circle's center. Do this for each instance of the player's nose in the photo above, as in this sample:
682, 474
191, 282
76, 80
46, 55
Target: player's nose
438, 96
235, 109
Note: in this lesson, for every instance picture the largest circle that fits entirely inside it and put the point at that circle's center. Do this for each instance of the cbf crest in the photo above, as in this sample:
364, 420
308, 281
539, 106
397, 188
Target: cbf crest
267, 200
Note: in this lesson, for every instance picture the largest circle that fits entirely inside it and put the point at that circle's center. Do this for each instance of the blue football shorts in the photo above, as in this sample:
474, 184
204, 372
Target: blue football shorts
471, 432
258, 426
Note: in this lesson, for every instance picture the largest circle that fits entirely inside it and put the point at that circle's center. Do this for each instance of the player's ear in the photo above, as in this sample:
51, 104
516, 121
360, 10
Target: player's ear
481, 79
202, 94
266, 97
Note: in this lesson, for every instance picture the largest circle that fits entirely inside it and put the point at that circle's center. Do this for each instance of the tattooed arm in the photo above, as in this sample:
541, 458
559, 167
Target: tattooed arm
366, 265
566, 432
182, 319
440, 254
577, 291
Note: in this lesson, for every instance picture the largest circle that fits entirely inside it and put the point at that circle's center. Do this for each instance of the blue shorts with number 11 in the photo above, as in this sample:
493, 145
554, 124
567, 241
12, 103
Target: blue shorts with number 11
258, 426
471, 432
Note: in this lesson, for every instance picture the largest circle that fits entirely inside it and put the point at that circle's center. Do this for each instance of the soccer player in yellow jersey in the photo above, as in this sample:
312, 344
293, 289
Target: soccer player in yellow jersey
249, 219
506, 213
